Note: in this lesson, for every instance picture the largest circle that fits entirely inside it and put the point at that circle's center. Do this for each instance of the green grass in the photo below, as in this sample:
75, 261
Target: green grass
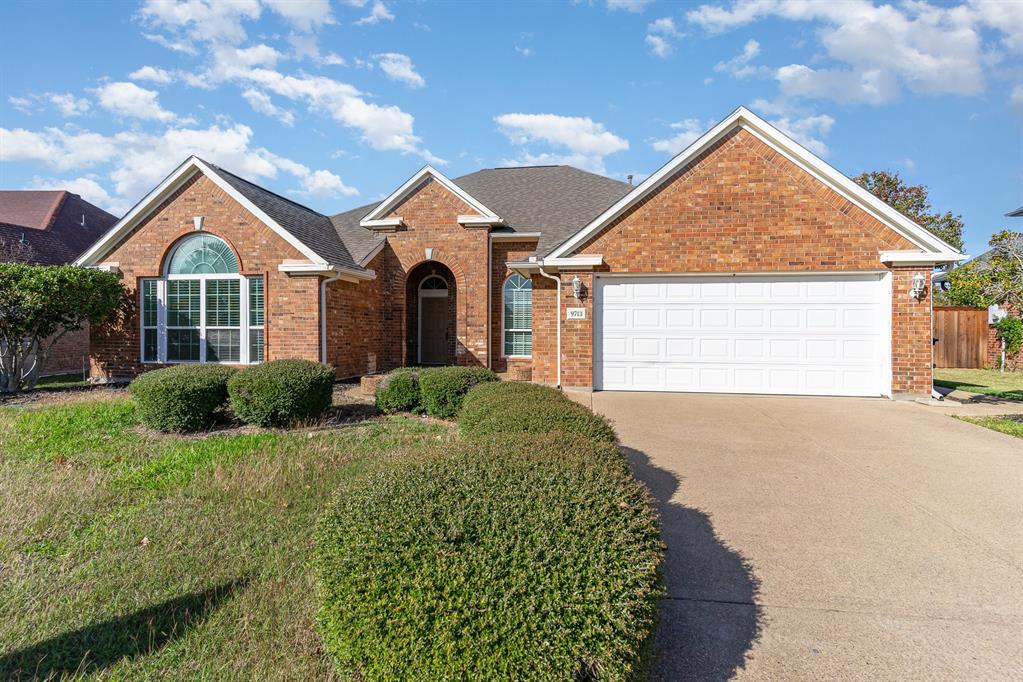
1010, 424
59, 381
126, 554
1006, 385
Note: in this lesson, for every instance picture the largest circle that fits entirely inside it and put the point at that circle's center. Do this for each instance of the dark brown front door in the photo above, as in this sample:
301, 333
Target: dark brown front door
433, 320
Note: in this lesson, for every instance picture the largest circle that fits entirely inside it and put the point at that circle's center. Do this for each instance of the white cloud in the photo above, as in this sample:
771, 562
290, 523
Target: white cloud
305, 15
307, 47
135, 162
171, 44
1016, 100
660, 33
688, 131
128, 99
378, 12
807, 131
23, 104
399, 67
907, 163
628, 5
262, 103
587, 141
65, 103
525, 51
880, 49
204, 20
739, 66
85, 187
153, 74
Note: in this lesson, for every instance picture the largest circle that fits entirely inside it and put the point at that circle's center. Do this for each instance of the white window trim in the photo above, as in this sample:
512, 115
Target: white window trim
426, 293
162, 327
504, 329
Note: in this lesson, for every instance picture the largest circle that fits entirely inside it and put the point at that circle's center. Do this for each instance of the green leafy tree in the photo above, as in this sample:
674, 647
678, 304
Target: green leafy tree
912, 201
995, 279
41, 303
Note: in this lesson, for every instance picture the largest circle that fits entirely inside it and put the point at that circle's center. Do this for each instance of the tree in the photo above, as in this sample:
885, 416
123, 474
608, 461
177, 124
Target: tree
41, 303
912, 201
16, 251
997, 278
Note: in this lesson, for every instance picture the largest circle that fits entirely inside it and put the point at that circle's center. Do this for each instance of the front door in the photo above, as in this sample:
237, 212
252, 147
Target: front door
433, 321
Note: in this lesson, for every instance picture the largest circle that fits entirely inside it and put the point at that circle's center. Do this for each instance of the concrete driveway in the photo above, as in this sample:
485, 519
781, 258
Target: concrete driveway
830, 538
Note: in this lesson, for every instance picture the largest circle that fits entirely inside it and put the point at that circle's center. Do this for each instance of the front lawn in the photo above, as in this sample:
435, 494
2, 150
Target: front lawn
1006, 385
1010, 423
128, 554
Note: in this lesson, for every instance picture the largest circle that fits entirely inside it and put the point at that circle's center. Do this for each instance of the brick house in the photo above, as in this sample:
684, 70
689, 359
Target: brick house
46, 227
744, 264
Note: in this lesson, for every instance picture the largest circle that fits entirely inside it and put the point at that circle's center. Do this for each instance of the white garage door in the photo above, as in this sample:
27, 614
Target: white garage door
808, 335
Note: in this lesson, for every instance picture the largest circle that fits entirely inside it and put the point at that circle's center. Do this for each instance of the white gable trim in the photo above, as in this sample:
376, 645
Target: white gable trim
791, 151
371, 219
170, 184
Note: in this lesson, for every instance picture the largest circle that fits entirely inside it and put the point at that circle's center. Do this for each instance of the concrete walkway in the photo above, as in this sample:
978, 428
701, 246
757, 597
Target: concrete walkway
830, 538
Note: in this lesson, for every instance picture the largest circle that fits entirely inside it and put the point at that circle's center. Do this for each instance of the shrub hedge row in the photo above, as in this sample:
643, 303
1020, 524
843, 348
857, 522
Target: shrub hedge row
188, 397
437, 391
532, 560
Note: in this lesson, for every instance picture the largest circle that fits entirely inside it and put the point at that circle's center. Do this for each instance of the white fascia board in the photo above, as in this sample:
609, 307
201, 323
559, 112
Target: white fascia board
382, 223
170, 184
575, 263
368, 258
787, 148
515, 236
480, 220
309, 268
920, 257
390, 202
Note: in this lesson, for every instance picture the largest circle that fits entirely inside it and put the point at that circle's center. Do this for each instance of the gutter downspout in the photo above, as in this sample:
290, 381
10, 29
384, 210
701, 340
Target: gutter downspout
323, 315
557, 281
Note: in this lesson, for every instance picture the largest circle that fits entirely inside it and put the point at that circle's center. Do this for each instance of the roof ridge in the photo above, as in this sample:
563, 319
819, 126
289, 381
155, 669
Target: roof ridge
51, 217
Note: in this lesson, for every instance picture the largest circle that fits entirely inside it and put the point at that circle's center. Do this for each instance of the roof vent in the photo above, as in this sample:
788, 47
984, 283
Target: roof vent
629, 178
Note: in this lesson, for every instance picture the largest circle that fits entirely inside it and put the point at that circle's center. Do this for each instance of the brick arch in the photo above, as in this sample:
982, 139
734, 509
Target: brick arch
455, 279
165, 258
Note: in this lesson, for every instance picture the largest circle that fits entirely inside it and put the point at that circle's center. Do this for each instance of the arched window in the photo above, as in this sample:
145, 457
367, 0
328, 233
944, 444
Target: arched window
517, 319
202, 309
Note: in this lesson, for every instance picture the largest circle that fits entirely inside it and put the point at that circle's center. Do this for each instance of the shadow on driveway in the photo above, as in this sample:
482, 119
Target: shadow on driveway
708, 620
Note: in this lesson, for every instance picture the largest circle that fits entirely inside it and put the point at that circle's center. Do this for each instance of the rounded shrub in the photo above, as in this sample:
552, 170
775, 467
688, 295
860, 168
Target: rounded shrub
182, 397
399, 391
534, 561
442, 389
516, 407
281, 392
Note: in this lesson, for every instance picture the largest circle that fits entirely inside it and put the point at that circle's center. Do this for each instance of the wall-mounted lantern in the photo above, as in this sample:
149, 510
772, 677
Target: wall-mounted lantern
577, 288
919, 286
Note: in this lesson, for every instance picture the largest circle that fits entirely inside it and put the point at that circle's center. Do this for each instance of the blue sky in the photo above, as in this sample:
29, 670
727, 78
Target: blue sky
336, 102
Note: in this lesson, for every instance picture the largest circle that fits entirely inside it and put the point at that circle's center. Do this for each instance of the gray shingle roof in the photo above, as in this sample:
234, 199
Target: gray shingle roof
309, 227
556, 201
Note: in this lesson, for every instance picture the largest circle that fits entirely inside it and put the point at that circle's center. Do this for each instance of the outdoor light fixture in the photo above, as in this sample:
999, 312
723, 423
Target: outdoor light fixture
577, 287
919, 282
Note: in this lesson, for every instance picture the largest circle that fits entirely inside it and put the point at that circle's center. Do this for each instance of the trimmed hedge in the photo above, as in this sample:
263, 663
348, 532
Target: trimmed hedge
281, 392
532, 560
399, 391
182, 397
515, 407
442, 389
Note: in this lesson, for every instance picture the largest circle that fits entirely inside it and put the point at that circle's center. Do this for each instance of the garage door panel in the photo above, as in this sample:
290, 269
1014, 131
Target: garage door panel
804, 335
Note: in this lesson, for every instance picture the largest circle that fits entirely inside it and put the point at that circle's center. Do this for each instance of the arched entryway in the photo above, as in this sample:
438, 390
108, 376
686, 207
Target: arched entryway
431, 313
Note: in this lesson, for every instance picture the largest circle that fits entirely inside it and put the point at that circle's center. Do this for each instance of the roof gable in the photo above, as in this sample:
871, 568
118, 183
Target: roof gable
376, 217
790, 150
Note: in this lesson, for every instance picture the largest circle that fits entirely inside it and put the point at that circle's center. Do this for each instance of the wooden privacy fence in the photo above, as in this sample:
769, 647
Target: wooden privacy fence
961, 336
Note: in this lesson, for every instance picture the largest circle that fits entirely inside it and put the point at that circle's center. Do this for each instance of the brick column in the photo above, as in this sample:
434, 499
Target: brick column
912, 352
577, 335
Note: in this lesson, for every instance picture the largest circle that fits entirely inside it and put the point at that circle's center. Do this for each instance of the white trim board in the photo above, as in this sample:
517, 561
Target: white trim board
792, 151
170, 184
372, 218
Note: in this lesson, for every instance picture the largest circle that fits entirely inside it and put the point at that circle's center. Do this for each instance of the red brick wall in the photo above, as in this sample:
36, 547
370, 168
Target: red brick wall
544, 330
69, 355
292, 303
742, 207
994, 349
430, 214
504, 252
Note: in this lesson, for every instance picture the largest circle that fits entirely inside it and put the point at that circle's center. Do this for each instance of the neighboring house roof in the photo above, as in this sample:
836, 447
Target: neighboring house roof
942, 277
555, 201
932, 249
308, 226
57, 225
1018, 213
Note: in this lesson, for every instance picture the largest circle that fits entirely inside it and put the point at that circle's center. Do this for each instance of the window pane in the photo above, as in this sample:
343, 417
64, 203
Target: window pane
183, 345
149, 347
518, 303
223, 303
256, 301
202, 254
518, 343
149, 306
223, 345
183, 303
255, 345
